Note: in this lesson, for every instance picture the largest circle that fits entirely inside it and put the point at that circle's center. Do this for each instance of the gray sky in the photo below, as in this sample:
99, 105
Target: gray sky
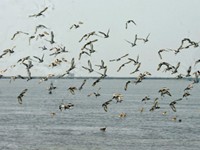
167, 21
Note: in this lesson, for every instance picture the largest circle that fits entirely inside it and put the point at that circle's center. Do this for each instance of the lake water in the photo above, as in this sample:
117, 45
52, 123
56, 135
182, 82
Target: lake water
30, 126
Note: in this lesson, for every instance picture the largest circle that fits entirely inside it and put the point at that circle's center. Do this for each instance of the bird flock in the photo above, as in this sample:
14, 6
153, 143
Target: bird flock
52, 49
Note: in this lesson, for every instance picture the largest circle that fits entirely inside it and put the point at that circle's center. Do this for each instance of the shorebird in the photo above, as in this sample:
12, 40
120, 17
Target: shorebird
155, 105
146, 98
189, 71
176, 68
126, 85
90, 69
65, 106
163, 63
72, 89
76, 25
186, 94
118, 59
196, 62
81, 87
129, 21
88, 43
118, 97
105, 35
19, 97
163, 50
52, 87
172, 104
96, 94
189, 87
164, 91
83, 52
103, 129
40, 26
120, 67
40, 59
135, 61
136, 69
40, 13
133, 43
105, 105
19, 32
144, 39
102, 66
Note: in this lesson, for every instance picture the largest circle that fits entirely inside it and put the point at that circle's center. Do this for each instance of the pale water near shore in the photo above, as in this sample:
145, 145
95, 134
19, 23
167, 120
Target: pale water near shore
30, 126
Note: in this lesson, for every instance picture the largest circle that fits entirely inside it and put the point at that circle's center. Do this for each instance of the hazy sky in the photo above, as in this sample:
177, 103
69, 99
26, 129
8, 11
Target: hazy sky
167, 21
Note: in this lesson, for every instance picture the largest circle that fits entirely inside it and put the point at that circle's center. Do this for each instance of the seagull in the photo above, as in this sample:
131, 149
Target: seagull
19, 97
130, 21
40, 13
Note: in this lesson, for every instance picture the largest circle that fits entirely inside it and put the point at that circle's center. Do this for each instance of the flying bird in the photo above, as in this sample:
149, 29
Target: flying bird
19, 97
130, 21
40, 13
105, 35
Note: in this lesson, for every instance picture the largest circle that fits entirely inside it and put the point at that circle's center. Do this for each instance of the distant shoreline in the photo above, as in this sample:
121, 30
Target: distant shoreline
129, 78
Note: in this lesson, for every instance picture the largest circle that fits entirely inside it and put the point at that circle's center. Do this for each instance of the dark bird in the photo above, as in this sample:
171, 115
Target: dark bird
19, 97
130, 21
144, 39
88, 43
155, 105
135, 61
40, 59
83, 52
162, 50
118, 97
186, 94
105, 105
40, 13
81, 87
52, 87
102, 66
133, 43
103, 129
105, 35
65, 106
196, 62
18, 32
72, 89
90, 69
164, 91
118, 59
76, 26
120, 67
96, 94
126, 85
189, 71
172, 104
176, 68
146, 98
39, 27
136, 69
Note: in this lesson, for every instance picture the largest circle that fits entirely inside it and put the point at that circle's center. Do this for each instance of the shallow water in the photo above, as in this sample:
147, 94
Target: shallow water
30, 126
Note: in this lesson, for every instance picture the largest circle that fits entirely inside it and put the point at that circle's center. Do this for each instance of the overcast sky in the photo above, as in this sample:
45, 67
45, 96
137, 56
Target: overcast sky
167, 22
